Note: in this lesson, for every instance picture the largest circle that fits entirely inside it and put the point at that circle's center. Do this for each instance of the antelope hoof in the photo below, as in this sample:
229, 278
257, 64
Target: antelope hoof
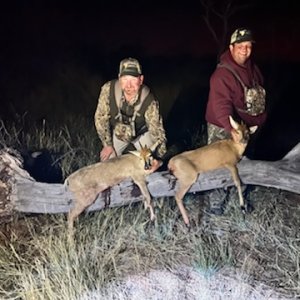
249, 208
152, 217
188, 226
243, 209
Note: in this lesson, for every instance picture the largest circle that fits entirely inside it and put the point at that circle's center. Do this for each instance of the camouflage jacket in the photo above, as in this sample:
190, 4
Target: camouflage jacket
103, 122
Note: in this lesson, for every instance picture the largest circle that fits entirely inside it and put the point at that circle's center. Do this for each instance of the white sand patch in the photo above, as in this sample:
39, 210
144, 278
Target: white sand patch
184, 283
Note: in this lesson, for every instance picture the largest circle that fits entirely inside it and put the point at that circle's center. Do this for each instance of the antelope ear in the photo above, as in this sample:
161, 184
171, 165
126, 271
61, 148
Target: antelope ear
142, 146
252, 129
233, 123
136, 153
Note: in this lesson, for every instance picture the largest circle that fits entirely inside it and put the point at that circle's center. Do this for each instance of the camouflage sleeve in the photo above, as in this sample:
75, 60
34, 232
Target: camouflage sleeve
155, 126
102, 116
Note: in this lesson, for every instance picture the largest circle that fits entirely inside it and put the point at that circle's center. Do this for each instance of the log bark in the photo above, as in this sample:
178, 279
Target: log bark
19, 192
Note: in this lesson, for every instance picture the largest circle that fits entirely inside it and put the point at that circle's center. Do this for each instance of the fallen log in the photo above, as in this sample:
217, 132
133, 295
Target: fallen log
20, 192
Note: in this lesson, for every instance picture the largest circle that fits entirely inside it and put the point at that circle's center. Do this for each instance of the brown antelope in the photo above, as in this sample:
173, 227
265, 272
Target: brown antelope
87, 182
223, 153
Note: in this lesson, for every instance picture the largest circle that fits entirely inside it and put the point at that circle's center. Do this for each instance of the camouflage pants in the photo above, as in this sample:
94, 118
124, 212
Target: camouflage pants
218, 198
144, 139
215, 133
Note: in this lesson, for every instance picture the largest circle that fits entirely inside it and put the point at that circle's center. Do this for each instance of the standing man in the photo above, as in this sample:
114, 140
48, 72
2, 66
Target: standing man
127, 113
236, 90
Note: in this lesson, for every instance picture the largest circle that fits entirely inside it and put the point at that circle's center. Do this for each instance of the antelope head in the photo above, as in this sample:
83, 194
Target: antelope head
240, 132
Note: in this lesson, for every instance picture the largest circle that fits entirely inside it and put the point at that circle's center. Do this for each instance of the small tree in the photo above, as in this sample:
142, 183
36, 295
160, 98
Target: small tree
216, 16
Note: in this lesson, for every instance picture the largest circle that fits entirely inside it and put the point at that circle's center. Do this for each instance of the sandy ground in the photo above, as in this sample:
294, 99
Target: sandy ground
185, 283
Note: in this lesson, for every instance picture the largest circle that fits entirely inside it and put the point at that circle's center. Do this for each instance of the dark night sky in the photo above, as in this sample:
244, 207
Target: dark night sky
157, 27
36, 34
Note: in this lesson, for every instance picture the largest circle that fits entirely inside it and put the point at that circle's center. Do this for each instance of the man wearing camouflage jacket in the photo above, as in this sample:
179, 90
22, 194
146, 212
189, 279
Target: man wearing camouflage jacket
127, 113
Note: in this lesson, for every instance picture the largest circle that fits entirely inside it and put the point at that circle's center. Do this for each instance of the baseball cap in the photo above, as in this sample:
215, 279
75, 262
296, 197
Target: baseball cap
130, 66
241, 35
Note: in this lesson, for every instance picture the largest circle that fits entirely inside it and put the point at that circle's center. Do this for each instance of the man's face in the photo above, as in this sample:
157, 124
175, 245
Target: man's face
241, 52
130, 85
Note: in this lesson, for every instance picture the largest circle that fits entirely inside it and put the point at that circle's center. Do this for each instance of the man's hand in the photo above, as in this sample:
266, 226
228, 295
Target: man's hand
156, 164
107, 152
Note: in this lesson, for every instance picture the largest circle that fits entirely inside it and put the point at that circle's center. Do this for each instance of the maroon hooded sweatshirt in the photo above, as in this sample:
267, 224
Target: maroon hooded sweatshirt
226, 94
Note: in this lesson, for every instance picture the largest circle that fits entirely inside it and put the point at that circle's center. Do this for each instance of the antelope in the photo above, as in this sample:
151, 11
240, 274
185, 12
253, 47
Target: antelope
87, 182
226, 153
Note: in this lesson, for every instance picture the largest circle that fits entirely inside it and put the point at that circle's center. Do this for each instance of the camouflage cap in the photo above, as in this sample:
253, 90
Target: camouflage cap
130, 66
241, 35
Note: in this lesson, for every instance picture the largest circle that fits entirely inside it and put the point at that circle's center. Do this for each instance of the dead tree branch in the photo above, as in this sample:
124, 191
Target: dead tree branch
19, 192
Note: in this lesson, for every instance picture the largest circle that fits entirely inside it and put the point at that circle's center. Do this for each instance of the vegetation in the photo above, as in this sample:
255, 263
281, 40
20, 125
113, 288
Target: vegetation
39, 261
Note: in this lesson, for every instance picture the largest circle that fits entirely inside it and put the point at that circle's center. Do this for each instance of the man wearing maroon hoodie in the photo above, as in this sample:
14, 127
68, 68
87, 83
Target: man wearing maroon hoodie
235, 73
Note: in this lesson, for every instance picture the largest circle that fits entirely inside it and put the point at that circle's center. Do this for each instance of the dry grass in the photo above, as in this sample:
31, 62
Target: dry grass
117, 249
